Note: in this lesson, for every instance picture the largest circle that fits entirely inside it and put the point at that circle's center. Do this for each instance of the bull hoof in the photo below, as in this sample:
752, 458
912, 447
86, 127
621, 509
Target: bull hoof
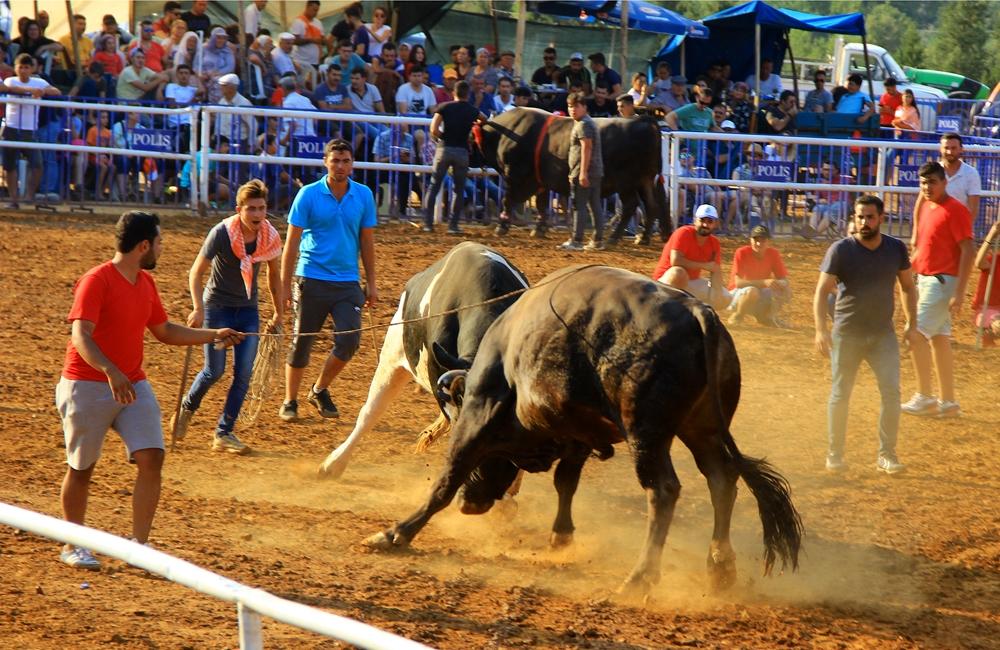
470, 508
386, 541
634, 591
332, 468
560, 540
502, 228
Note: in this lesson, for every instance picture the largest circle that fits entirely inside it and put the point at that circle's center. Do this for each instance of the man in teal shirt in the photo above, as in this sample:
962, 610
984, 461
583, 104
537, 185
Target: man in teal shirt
331, 220
693, 117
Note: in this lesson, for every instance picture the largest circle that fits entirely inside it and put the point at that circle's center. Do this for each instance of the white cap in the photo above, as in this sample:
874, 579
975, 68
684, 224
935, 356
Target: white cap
576, 56
229, 80
286, 36
706, 211
727, 124
263, 39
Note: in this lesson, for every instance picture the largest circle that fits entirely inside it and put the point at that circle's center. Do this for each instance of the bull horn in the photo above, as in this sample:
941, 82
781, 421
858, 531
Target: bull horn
447, 360
451, 387
435, 430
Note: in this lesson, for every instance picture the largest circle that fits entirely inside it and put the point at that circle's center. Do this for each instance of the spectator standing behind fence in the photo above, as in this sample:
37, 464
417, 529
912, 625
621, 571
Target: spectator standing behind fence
907, 116
888, 102
695, 117
603, 75
153, 50
575, 74
294, 100
99, 135
548, 74
179, 94
659, 87
395, 145
107, 55
137, 81
770, 83
240, 129
758, 281
259, 54
308, 31
450, 127
639, 90
347, 59
819, 99
251, 18
378, 31
171, 14
863, 270
231, 256
387, 80
218, 58
691, 250
985, 263
197, 19
85, 44
330, 223
20, 124
942, 260
172, 42
586, 171
360, 38
110, 27
964, 183
102, 384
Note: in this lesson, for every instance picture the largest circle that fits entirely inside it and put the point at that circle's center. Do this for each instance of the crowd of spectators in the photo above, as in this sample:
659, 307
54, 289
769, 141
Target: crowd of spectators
358, 66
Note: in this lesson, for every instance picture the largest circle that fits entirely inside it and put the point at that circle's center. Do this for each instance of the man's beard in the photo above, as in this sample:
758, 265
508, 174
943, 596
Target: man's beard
868, 233
148, 261
704, 231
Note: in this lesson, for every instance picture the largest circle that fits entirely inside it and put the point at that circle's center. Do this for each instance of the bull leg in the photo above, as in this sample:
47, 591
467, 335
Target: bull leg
464, 458
721, 472
655, 211
657, 476
630, 201
390, 377
541, 227
567, 478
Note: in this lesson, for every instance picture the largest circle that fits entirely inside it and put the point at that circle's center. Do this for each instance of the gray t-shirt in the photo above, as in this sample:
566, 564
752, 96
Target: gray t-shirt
583, 129
866, 284
821, 98
225, 286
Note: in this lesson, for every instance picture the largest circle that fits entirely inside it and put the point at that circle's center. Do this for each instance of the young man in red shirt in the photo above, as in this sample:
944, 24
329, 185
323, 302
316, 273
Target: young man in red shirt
989, 319
103, 384
759, 280
941, 260
688, 252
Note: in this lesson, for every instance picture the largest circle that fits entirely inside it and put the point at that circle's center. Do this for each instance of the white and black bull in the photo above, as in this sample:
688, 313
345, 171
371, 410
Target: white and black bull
530, 149
468, 274
591, 357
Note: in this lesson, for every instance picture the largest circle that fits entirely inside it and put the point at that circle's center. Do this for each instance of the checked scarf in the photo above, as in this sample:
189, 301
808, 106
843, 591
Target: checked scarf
268, 247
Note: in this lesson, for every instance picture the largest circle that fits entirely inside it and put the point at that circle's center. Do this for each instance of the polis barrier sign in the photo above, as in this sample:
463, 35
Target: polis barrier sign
163, 140
306, 146
774, 171
907, 176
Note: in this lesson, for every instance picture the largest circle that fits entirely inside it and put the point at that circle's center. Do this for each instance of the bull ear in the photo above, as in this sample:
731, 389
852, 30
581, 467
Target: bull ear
451, 388
446, 360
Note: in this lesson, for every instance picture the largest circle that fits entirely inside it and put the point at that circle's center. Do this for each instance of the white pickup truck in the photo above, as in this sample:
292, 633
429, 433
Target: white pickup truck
848, 59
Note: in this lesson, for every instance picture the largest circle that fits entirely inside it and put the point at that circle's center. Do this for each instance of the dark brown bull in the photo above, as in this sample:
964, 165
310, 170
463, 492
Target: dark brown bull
530, 149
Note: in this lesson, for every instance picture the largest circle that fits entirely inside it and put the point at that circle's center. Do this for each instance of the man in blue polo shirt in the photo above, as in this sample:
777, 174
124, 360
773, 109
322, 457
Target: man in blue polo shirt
331, 220
856, 102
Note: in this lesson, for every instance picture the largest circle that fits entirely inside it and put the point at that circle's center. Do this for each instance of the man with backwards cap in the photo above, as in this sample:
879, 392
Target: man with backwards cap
575, 74
690, 251
240, 129
759, 280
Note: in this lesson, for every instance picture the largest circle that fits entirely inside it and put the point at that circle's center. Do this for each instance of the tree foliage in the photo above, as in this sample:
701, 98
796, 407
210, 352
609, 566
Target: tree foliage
960, 42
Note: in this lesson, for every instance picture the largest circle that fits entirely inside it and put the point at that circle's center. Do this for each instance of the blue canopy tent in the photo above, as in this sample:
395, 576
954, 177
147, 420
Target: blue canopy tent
746, 33
642, 15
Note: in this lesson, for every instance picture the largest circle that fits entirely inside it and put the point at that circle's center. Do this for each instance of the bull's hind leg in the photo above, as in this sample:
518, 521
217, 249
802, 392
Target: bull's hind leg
567, 478
721, 472
657, 476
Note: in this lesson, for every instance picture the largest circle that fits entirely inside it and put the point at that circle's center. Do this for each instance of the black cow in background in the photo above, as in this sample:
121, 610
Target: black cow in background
530, 149
594, 356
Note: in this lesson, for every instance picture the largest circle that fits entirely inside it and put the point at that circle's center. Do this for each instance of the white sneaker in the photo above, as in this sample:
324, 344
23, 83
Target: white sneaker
570, 245
835, 465
229, 443
80, 558
920, 404
889, 465
179, 422
948, 409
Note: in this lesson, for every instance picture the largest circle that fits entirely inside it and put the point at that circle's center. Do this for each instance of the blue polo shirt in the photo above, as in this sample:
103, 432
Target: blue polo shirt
853, 102
331, 230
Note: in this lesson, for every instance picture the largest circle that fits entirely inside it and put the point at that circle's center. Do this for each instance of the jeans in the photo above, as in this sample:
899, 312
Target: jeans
50, 183
881, 351
242, 319
457, 158
587, 199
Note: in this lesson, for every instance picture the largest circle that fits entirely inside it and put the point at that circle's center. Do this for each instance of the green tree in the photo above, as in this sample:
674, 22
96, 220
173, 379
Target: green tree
960, 43
895, 31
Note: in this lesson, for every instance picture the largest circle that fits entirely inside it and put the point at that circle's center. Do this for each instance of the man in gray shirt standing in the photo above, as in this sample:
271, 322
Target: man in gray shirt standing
864, 269
586, 169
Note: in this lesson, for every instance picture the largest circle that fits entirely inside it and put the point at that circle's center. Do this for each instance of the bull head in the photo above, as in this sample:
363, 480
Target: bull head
451, 392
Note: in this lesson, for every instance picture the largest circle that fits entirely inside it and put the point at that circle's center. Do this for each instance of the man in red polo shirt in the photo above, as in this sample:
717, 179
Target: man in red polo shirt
942, 260
103, 384
759, 280
688, 252
989, 319
890, 100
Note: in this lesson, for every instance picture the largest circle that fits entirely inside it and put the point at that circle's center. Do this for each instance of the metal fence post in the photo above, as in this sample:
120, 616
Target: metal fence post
193, 146
203, 146
251, 634
675, 186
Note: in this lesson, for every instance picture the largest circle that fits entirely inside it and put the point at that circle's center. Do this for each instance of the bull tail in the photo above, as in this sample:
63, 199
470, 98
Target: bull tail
778, 516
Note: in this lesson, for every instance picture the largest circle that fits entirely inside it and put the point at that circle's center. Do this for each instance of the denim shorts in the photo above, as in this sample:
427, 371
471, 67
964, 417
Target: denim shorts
934, 292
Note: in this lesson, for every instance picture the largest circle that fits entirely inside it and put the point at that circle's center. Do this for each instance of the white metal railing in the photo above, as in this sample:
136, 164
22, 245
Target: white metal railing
251, 603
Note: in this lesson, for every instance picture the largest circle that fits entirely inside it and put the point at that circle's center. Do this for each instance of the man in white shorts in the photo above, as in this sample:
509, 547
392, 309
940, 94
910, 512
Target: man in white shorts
103, 384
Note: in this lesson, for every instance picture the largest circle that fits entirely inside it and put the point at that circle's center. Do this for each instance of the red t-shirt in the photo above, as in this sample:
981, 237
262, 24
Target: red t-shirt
942, 227
893, 102
984, 276
685, 240
750, 267
154, 55
121, 312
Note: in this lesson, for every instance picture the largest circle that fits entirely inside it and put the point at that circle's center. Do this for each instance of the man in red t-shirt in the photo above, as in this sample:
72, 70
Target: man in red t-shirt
988, 319
890, 100
688, 252
759, 280
103, 385
942, 260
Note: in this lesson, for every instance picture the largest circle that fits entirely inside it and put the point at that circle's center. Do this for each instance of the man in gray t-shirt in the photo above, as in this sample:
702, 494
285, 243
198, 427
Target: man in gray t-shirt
864, 269
586, 170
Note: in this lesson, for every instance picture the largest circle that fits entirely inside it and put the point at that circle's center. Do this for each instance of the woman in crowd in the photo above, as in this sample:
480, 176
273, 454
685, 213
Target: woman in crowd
484, 70
639, 89
217, 59
463, 64
418, 56
907, 117
379, 31
178, 29
106, 53
188, 51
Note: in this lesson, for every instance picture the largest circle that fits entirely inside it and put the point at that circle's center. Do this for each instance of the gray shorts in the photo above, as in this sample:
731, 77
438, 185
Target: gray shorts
317, 299
11, 154
88, 409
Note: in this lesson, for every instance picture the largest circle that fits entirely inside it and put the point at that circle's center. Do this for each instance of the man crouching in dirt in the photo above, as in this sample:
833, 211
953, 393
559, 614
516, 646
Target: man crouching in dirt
103, 384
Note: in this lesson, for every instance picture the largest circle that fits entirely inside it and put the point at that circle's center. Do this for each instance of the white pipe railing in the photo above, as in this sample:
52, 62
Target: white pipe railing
251, 602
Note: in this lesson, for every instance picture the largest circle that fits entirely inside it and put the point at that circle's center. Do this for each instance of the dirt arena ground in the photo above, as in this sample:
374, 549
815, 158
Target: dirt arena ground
903, 562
